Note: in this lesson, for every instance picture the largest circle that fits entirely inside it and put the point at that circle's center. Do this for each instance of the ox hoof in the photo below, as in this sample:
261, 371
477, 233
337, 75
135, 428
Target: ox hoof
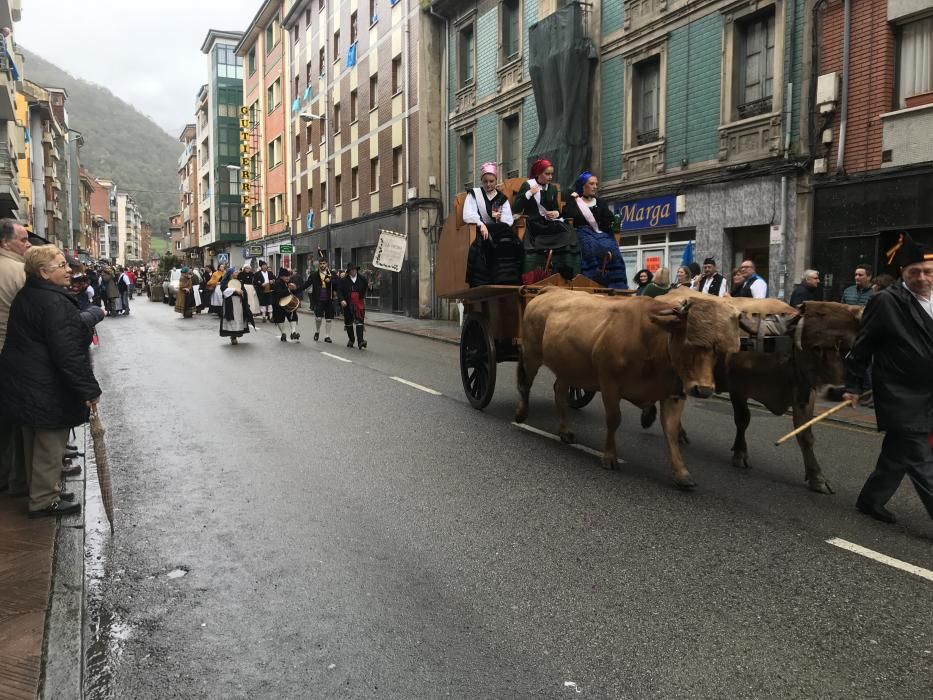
740, 462
684, 482
682, 437
568, 438
609, 462
821, 486
648, 416
521, 414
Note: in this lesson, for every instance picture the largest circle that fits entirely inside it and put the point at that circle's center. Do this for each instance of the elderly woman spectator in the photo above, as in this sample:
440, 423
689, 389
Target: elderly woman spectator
46, 379
661, 284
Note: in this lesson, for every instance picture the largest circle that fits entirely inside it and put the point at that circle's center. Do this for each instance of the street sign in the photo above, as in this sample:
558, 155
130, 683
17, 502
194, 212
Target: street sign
286, 248
222, 258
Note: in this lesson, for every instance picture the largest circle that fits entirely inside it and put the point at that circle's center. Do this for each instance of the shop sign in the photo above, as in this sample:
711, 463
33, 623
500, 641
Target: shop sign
245, 178
286, 248
255, 250
390, 251
657, 212
653, 263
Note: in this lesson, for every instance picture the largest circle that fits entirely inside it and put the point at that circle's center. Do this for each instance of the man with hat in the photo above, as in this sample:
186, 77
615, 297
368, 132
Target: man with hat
281, 289
353, 290
323, 293
263, 282
711, 282
896, 339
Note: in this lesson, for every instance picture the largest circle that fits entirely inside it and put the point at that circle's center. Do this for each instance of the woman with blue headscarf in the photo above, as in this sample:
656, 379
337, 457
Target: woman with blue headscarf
592, 219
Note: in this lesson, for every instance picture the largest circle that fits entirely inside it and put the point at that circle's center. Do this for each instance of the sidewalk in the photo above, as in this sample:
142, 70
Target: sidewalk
30, 551
449, 332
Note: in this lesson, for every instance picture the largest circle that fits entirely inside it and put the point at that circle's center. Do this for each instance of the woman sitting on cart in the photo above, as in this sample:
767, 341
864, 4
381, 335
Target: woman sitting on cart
496, 256
548, 238
602, 262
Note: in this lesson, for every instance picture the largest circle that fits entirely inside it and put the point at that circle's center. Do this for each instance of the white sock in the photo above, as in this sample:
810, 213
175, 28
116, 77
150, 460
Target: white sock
317, 324
281, 330
326, 328
294, 325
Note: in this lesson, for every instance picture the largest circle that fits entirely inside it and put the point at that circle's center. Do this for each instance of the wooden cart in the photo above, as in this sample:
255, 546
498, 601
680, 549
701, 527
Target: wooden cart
492, 318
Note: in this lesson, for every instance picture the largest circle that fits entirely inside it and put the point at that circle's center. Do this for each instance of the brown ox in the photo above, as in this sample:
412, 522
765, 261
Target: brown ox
823, 333
636, 349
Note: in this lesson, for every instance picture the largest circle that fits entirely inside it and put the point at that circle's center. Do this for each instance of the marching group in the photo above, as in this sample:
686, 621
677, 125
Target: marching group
240, 296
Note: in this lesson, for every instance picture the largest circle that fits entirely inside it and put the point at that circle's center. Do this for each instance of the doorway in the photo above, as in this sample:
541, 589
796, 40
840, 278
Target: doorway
751, 243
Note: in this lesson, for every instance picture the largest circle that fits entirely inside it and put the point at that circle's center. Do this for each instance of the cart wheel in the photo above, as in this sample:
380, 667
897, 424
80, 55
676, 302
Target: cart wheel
477, 363
579, 398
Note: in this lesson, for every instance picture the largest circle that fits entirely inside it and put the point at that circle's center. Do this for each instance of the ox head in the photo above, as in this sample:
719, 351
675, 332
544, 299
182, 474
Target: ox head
823, 335
703, 331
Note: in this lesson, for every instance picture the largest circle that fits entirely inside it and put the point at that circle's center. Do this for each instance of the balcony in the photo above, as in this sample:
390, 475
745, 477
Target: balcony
51, 208
9, 184
7, 90
18, 134
47, 134
905, 136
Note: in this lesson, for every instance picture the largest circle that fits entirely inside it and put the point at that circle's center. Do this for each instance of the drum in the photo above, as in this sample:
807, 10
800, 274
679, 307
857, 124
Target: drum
289, 303
234, 285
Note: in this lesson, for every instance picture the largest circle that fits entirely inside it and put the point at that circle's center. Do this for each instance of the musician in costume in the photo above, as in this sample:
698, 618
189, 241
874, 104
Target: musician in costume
263, 281
496, 255
236, 317
895, 338
353, 290
592, 218
283, 288
323, 295
550, 244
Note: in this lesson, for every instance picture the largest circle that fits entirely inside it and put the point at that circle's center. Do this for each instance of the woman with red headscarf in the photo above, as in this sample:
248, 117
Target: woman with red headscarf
546, 233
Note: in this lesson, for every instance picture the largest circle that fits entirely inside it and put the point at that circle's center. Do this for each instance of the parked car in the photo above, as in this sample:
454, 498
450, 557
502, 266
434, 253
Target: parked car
170, 286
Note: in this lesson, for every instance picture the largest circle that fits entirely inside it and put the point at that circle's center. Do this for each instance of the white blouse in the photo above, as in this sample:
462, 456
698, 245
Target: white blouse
473, 214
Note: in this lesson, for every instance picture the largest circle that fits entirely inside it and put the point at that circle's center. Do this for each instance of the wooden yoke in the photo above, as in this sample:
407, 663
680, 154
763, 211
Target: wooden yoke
456, 237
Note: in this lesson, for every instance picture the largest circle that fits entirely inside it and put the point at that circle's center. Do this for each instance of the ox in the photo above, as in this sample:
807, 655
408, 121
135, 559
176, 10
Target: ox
636, 349
823, 333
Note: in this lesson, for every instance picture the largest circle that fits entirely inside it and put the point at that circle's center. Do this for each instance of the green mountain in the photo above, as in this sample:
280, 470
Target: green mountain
120, 143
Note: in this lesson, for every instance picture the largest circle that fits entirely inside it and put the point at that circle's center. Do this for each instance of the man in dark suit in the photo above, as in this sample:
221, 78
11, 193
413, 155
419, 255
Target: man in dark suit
896, 339
323, 295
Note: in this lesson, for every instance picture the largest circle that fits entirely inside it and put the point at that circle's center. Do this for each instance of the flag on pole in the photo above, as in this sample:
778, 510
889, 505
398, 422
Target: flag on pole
688, 254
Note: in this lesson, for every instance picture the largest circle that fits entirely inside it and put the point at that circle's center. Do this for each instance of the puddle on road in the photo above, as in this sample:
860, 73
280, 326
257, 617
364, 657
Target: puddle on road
105, 631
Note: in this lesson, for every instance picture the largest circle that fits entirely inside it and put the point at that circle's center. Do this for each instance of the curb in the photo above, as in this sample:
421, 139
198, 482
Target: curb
62, 657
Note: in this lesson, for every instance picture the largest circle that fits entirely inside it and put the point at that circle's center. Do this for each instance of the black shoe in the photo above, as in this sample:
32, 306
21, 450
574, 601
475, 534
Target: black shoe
292, 336
349, 343
66, 496
69, 446
877, 512
233, 340
283, 338
316, 336
362, 344
328, 340
56, 509
73, 453
297, 336
71, 469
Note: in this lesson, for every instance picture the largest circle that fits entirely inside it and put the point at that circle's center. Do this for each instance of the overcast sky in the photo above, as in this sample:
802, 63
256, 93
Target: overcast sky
147, 52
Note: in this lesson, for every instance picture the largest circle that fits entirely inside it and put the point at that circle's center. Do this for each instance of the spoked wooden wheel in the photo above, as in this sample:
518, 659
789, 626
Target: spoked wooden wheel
579, 398
477, 363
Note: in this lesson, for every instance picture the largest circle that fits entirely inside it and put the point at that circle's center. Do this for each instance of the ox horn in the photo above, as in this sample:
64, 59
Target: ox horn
798, 333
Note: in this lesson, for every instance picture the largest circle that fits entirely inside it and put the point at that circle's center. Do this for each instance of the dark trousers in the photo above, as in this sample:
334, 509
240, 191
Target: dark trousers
12, 459
901, 453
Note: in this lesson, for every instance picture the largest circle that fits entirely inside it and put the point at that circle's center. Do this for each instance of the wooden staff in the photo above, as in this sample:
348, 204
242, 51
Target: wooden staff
823, 416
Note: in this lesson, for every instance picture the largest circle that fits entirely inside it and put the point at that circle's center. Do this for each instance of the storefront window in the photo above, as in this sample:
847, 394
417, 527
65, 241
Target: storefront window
654, 250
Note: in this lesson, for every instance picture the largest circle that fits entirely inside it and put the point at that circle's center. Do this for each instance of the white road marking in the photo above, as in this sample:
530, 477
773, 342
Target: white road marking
336, 357
425, 389
883, 558
556, 438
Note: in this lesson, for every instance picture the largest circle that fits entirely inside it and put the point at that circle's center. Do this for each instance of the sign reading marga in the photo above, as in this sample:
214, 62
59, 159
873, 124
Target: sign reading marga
648, 213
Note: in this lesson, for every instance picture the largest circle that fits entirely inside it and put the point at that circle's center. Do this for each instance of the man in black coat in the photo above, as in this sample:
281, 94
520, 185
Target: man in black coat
323, 295
353, 290
806, 290
896, 339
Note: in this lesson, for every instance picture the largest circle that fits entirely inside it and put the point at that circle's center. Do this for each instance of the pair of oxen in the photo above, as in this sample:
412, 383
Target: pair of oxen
648, 351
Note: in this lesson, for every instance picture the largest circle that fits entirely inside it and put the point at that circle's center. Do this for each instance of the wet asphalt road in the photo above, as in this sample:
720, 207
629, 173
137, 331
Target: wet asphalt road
347, 535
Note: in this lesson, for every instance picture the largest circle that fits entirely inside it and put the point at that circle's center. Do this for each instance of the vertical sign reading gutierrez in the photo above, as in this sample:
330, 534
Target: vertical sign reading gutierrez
245, 176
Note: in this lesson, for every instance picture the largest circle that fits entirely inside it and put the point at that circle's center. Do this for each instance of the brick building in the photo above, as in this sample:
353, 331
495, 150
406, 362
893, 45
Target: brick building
872, 133
188, 197
364, 132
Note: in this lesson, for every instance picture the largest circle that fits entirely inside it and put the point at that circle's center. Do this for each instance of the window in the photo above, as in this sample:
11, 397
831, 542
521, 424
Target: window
321, 59
353, 106
354, 183
373, 92
308, 134
310, 73
646, 98
338, 195
336, 117
465, 51
320, 5
396, 165
295, 35
274, 95
373, 17
396, 75
510, 29
297, 87
272, 34
229, 218
308, 17
465, 161
254, 113
254, 167
255, 222
511, 146
298, 203
297, 145
353, 28
336, 46
251, 60
275, 212
324, 201
754, 52
227, 63
915, 60
275, 152
374, 175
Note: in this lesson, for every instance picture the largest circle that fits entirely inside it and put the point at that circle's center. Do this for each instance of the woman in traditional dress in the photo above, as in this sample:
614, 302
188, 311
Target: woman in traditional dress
591, 217
247, 278
184, 299
213, 287
496, 256
547, 236
236, 318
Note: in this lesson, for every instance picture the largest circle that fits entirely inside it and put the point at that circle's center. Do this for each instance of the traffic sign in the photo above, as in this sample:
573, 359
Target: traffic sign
286, 248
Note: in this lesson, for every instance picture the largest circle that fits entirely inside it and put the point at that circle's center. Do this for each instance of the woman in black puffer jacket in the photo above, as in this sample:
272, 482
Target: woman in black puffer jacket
46, 379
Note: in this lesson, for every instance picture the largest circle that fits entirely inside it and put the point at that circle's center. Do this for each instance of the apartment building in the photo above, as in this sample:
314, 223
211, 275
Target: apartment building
363, 145
176, 236
222, 230
48, 139
265, 169
872, 133
12, 133
189, 200
23, 149
104, 209
72, 184
129, 230
89, 235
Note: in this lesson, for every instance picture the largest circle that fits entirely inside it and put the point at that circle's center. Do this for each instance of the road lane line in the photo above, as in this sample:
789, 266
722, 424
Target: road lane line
556, 438
336, 357
425, 389
883, 558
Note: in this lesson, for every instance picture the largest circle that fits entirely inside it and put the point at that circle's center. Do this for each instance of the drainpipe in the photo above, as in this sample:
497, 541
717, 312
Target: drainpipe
407, 63
844, 108
445, 144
